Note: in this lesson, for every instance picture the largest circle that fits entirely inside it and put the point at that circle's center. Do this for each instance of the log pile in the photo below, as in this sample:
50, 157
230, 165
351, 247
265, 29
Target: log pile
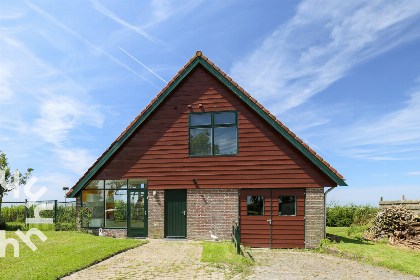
399, 225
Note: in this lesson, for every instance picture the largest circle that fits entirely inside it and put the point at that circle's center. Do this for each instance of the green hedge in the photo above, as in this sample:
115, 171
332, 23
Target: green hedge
14, 226
13, 218
346, 215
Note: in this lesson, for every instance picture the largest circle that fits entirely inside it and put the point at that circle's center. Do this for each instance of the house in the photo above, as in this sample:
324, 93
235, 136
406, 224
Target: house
203, 154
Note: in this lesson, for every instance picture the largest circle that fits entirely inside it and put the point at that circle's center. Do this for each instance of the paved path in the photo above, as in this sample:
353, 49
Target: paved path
273, 264
161, 259
157, 259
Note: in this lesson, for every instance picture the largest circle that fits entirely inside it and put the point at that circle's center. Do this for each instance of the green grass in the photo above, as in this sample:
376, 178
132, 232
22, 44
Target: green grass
383, 254
61, 254
224, 253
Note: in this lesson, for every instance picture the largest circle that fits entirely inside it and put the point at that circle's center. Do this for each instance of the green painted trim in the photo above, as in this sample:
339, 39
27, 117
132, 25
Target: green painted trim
199, 60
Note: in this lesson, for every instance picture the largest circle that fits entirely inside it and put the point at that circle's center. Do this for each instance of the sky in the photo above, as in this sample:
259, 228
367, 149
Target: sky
343, 75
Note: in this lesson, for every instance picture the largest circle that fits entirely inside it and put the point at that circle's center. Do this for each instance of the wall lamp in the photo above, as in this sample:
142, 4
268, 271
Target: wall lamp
194, 181
154, 193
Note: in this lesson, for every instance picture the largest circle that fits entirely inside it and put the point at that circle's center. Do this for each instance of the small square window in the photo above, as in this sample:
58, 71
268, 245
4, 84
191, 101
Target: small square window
255, 205
287, 205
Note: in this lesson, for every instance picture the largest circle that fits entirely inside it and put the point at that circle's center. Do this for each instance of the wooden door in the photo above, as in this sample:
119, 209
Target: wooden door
176, 213
137, 213
255, 218
277, 222
288, 228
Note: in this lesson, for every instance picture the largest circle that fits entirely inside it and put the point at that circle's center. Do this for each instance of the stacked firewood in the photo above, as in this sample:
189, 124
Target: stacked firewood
399, 225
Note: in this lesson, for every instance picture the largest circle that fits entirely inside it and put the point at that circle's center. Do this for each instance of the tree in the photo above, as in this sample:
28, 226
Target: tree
9, 178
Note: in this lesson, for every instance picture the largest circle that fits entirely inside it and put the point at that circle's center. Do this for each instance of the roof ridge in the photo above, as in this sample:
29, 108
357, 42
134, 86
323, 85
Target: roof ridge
200, 54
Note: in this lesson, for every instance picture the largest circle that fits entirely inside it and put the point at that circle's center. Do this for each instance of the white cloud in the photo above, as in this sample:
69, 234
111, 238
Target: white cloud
113, 16
10, 13
319, 45
62, 113
398, 128
412, 173
165, 9
75, 159
6, 92
75, 34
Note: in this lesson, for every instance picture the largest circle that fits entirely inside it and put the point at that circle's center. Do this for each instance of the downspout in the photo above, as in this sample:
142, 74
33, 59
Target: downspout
325, 210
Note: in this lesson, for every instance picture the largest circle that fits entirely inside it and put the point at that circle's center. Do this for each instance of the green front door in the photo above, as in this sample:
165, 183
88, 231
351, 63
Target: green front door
176, 213
137, 213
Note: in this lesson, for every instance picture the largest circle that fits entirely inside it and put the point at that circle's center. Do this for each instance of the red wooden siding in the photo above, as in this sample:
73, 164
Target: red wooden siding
284, 232
158, 150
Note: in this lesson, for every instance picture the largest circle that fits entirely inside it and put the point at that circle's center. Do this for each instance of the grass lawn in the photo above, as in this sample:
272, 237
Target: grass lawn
62, 253
401, 259
224, 253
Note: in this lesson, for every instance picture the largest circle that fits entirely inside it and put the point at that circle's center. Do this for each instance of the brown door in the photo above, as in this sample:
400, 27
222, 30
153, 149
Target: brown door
255, 218
288, 226
273, 218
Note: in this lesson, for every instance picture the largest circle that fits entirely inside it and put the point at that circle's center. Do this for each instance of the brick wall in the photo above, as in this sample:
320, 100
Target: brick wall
211, 210
314, 212
156, 214
118, 232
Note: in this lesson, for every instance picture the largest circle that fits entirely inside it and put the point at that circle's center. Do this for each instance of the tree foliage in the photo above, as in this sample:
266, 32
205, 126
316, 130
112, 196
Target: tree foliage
9, 178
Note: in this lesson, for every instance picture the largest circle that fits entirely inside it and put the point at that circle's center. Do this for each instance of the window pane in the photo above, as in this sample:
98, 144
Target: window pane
94, 200
225, 141
201, 119
200, 141
116, 208
224, 118
115, 184
137, 209
255, 205
95, 184
137, 183
287, 205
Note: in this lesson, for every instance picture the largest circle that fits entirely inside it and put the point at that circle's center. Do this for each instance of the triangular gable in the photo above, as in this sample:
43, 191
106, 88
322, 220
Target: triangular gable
200, 59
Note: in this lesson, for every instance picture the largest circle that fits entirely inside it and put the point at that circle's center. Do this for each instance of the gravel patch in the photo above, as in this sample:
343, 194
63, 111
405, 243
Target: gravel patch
158, 259
275, 264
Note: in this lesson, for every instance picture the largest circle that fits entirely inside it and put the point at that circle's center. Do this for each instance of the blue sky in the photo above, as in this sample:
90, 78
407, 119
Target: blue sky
345, 77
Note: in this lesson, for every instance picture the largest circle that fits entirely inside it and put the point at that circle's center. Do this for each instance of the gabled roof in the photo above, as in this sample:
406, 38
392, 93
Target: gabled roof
200, 59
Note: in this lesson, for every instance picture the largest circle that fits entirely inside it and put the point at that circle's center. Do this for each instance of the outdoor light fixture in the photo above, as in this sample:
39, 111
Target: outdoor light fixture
194, 181
154, 193
65, 189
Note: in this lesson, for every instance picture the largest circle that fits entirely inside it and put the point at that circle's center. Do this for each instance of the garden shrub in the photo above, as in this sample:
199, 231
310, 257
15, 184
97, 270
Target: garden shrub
65, 226
14, 226
346, 215
2, 223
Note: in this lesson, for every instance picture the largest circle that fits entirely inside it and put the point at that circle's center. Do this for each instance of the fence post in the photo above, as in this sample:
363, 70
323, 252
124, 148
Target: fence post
55, 211
26, 211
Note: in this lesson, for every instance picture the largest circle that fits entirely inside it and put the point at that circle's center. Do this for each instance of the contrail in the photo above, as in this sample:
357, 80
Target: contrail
143, 65
47, 15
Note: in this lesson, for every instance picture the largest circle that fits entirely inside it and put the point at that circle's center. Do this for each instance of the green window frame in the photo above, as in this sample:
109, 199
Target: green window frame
102, 188
208, 132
